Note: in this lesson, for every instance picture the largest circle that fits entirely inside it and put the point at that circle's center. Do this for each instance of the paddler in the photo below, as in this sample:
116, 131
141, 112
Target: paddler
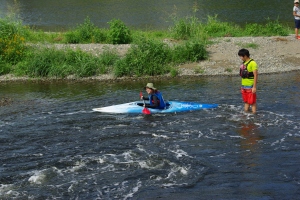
155, 98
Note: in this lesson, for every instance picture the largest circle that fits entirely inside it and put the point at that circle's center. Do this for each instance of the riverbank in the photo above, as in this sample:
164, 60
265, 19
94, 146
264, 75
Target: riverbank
273, 54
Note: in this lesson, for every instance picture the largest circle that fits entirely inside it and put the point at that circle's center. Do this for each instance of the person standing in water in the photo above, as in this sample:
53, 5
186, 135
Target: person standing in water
249, 73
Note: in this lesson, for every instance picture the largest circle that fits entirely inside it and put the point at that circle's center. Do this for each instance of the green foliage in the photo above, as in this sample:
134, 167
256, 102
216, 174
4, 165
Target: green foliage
199, 70
174, 72
150, 34
186, 28
190, 28
151, 57
38, 36
228, 70
215, 28
72, 37
4, 68
9, 28
85, 33
12, 49
252, 29
181, 29
119, 33
147, 57
108, 58
61, 63
12, 41
191, 51
251, 45
275, 28
272, 28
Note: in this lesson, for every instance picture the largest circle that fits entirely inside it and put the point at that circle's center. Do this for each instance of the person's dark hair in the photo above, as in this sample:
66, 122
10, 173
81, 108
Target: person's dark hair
244, 52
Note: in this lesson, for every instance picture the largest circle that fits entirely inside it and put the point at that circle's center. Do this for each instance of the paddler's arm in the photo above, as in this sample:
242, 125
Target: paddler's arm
144, 98
155, 103
255, 73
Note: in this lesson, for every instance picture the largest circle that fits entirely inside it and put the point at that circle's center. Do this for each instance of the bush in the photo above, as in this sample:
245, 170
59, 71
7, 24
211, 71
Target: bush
215, 28
119, 33
12, 41
271, 28
85, 33
275, 28
147, 57
4, 68
191, 51
61, 63
186, 28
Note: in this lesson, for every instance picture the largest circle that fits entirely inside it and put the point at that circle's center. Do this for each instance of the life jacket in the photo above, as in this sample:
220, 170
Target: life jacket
162, 104
244, 73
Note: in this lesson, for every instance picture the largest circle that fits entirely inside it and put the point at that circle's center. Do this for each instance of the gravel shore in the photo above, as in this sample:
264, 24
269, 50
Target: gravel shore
273, 55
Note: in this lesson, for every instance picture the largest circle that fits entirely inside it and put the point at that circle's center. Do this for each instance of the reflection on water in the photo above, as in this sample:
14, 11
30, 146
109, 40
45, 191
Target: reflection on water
250, 135
250, 143
59, 15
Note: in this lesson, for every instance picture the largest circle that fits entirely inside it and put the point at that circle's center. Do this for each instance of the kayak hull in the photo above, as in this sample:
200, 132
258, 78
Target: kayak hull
172, 107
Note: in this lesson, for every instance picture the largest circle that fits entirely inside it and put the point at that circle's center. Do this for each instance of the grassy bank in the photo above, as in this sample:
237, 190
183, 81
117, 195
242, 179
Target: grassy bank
148, 55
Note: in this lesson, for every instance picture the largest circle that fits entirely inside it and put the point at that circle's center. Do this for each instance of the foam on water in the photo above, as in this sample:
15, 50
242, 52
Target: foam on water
63, 152
38, 177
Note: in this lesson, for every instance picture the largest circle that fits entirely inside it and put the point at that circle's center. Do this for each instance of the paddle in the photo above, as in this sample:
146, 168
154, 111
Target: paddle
146, 111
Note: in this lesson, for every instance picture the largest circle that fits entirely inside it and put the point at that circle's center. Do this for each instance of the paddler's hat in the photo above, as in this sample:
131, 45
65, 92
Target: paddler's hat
296, 1
150, 85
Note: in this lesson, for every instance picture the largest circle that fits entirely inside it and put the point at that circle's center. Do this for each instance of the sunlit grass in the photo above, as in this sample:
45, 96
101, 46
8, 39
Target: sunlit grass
153, 52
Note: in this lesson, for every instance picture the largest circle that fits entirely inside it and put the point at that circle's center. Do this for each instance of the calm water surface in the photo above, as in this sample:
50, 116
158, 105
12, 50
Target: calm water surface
53, 146
59, 15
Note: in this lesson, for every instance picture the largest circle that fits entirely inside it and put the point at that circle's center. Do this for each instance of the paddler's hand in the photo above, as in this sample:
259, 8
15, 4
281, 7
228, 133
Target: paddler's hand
254, 90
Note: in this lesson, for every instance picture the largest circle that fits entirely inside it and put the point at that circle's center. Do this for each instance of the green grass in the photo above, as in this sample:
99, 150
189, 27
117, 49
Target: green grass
51, 62
154, 57
248, 45
150, 55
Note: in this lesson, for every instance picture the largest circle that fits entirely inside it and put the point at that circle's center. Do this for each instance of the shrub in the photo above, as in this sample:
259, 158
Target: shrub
119, 33
12, 41
72, 37
271, 28
50, 62
181, 30
213, 27
85, 33
186, 28
12, 48
275, 28
190, 51
4, 68
147, 57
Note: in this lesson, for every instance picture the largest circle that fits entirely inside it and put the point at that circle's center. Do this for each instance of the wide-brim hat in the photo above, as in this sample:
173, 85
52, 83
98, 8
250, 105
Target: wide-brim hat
150, 85
296, 1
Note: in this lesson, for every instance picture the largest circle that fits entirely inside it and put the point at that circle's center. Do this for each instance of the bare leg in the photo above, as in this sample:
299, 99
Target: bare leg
246, 107
296, 32
253, 108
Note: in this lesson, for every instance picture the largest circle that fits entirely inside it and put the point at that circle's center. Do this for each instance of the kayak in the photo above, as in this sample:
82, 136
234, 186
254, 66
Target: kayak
172, 107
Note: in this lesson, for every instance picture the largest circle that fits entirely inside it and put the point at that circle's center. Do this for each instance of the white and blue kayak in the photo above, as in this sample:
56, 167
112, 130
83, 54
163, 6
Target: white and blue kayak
172, 107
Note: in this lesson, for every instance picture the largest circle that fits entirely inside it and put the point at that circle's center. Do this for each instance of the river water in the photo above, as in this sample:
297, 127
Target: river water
57, 15
53, 146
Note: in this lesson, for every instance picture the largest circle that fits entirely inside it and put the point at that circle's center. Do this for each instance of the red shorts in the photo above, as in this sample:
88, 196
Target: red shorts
248, 96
